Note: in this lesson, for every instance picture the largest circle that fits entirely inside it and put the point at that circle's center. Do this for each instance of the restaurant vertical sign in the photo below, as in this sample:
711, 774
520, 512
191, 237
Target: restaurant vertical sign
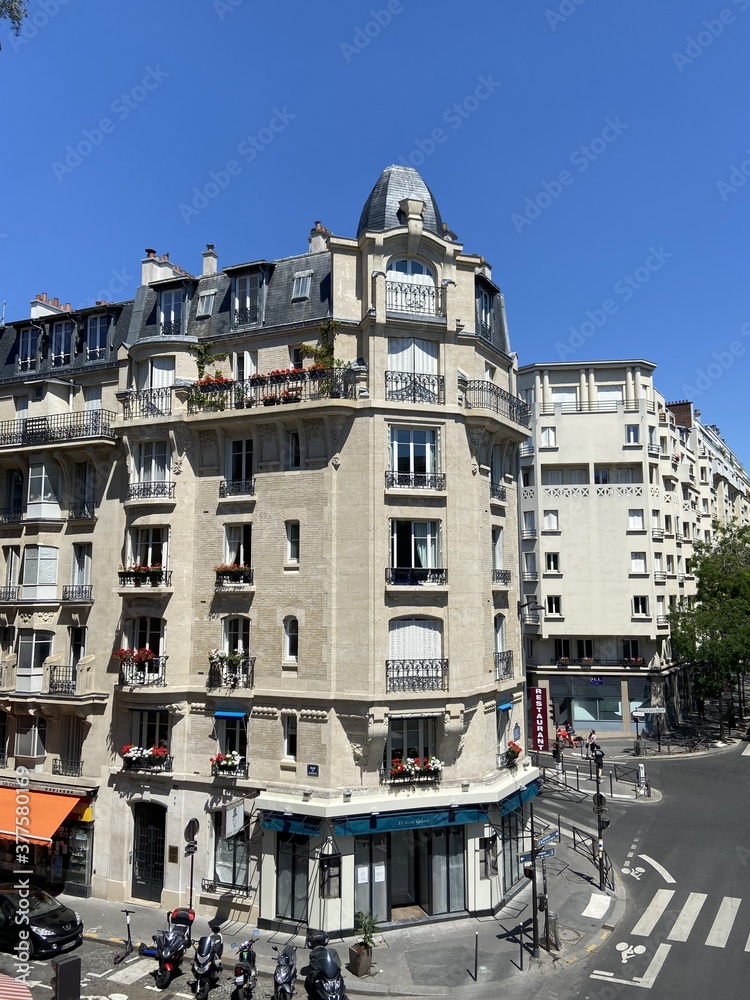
538, 698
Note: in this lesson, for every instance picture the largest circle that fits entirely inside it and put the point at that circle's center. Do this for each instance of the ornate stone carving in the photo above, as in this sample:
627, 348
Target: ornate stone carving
315, 440
377, 735
454, 729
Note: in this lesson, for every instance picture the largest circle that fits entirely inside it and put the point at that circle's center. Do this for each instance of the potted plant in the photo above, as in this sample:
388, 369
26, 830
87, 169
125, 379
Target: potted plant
227, 763
290, 395
360, 953
513, 752
270, 399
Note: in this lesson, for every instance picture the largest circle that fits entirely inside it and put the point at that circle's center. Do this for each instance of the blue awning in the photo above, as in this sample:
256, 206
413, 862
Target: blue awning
411, 820
230, 715
505, 707
517, 799
305, 825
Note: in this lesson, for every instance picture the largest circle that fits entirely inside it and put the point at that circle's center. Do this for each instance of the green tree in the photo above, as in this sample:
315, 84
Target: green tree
713, 633
15, 11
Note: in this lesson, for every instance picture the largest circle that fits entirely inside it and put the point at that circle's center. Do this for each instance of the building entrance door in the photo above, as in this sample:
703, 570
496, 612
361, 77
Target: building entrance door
410, 885
148, 851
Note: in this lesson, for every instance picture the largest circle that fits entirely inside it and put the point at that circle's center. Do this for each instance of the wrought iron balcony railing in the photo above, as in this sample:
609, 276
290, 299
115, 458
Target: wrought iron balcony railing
662, 621
145, 578
297, 386
406, 297
8, 595
246, 316
215, 885
81, 512
81, 594
492, 397
502, 577
218, 771
412, 576
171, 329
227, 578
231, 671
657, 534
71, 767
62, 678
237, 487
162, 490
11, 515
152, 673
390, 777
504, 665
415, 480
57, 428
498, 492
416, 675
154, 764
414, 387
147, 403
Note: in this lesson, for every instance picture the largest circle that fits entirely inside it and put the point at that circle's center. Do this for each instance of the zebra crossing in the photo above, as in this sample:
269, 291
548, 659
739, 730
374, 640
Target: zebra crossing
722, 917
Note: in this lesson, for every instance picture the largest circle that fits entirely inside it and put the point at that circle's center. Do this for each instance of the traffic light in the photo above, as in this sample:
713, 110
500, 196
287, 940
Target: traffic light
66, 978
555, 751
528, 871
552, 714
541, 902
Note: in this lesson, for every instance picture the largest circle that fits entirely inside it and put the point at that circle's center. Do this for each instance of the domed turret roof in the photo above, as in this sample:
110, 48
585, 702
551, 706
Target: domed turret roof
381, 209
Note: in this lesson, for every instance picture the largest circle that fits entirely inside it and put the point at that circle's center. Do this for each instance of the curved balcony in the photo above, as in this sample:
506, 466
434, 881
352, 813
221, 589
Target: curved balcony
160, 490
146, 402
480, 393
414, 387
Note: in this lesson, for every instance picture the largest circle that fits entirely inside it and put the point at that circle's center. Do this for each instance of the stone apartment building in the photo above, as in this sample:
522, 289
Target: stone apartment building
617, 485
264, 601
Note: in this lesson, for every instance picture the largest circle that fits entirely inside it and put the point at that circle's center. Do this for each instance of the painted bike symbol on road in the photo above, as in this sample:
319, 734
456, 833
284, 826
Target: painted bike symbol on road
630, 951
635, 872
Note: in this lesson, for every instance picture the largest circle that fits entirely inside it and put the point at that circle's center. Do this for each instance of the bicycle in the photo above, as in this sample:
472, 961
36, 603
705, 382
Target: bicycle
129, 948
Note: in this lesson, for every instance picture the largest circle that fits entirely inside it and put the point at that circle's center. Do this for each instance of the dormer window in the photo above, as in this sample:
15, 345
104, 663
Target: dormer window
62, 334
301, 285
27, 347
96, 338
485, 311
410, 288
205, 304
246, 299
170, 313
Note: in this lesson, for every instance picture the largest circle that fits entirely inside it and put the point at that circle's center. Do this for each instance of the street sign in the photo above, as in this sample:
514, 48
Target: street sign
190, 848
596, 680
598, 799
546, 839
651, 711
525, 858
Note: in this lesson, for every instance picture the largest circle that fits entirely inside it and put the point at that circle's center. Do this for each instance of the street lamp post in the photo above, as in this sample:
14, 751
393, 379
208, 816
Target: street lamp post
599, 829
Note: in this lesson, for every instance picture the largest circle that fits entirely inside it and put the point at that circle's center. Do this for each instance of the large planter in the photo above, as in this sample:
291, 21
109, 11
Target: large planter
270, 402
360, 959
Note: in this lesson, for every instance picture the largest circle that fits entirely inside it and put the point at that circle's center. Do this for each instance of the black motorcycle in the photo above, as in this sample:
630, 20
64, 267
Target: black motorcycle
245, 969
207, 964
324, 980
285, 972
171, 944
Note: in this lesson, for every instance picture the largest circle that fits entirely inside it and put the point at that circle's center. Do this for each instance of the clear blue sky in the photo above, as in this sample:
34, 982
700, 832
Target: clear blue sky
115, 113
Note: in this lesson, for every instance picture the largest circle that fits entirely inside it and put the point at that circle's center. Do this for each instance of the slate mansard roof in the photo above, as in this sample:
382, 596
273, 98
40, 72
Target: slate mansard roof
381, 211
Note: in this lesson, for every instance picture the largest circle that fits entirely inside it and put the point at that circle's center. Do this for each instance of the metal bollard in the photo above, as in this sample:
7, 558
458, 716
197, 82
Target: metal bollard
637, 748
554, 931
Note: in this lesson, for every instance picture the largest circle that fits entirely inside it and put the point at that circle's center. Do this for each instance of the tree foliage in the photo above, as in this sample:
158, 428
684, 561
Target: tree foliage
15, 11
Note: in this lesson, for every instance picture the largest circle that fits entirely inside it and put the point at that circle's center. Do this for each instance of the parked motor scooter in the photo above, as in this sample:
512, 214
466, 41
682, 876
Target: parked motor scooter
207, 964
285, 973
171, 944
245, 969
324, 980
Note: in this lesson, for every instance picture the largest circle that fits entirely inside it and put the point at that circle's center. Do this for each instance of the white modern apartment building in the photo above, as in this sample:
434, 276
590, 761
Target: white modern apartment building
616, 485
266, 602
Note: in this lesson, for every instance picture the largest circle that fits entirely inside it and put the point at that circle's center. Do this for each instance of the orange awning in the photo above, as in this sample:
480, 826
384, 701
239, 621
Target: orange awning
46, 811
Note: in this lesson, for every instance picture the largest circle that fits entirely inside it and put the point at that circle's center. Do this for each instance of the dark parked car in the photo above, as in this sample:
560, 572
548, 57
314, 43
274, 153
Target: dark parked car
52, 926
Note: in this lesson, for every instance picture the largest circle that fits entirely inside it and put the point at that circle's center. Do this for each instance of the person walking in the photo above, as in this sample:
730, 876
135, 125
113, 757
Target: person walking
598, 755
591, 740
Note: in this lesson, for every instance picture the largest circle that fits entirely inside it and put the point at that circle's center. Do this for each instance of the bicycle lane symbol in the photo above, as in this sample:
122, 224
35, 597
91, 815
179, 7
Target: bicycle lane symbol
628, 952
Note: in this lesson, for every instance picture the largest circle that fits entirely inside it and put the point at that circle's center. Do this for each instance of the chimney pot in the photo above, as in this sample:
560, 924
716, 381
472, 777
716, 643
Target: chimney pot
209, 246
150, 253
67, 307
165, 256
44, 296
56, 302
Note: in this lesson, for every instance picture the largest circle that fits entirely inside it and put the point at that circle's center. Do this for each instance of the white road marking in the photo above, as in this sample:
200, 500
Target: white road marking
597, 906
132, 973
646, 981
747, 946
722, 925
688, 915
661, 870
655, 909
746, 751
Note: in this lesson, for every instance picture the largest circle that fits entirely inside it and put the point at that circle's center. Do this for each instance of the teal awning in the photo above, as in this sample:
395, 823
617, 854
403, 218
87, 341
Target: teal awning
305, 825
517, 799
505, 707
230, 715
411, 820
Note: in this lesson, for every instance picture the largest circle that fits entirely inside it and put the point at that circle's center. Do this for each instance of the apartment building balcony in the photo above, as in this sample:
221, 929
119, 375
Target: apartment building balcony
146, 762
148, 673
654, 451
58, 429
78, 594
295, 385
415, 387
415, 576
657, 534
660, 576
404, 298
679, 537
487, 395
145, 577
233, 578
11, 515
530, 576
526, 450
74, 684
82, 512
219, 770
230, 670
171, 329
501, 577
70, 767
138, 404
662, 621
63, 678
498, 492
9, 595
527, 534
531, 618
404, 772
410, 676
504, 665
237, 488
433, 481
157, 490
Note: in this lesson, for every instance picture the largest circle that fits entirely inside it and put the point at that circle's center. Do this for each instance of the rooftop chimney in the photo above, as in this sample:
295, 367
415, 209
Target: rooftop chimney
318, 238
210, 257
154, 268
42, 305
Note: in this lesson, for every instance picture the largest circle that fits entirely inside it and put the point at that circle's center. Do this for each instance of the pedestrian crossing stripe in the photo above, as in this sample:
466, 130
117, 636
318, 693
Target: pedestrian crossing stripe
718, 934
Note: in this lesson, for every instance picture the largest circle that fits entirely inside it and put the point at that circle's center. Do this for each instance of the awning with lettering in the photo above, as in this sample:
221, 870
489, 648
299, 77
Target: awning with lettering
44, 811
308, 826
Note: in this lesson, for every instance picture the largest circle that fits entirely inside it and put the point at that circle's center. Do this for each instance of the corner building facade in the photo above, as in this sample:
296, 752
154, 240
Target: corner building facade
307, 661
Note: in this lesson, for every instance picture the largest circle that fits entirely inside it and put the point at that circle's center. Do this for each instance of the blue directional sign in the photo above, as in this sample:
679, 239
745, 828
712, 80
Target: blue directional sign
596, 680
525, 858
546, 839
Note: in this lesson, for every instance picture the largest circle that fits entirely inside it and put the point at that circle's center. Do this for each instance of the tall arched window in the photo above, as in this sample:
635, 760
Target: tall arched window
410, 288
291, 639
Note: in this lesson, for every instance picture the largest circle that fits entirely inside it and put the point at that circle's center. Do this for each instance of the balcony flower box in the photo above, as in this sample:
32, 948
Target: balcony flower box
136, 758
563, 659
270, 400
512, 753
586, 661
416, 769
230, 764
141, 656
290, 396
